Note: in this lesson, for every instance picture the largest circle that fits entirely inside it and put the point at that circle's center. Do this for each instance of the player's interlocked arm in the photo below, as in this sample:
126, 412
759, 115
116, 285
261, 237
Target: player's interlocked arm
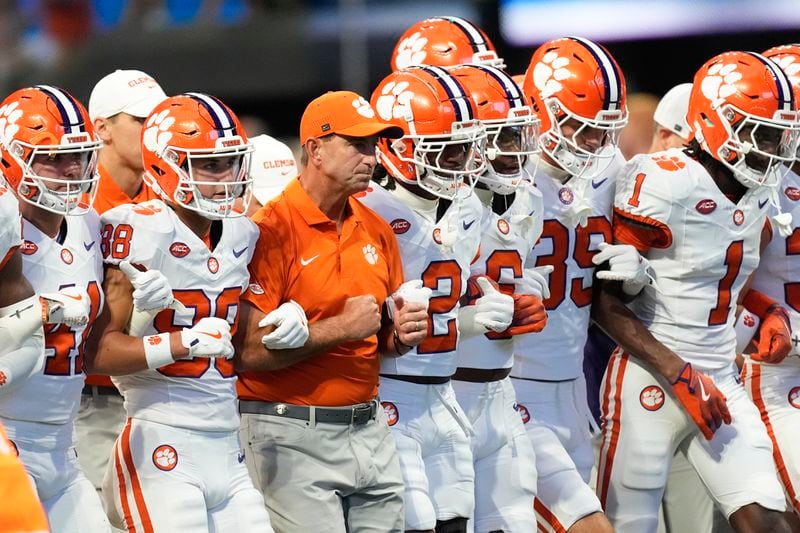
408, 310
774, 336
488, 309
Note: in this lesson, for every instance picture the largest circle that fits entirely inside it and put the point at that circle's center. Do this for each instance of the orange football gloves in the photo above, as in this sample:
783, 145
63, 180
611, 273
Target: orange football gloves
702, 400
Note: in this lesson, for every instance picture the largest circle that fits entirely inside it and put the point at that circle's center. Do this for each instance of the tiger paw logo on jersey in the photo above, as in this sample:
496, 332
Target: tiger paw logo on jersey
363, 108
670, 163
437, 235
66, 256
794, 397
213, 265
146, 210
523, 412
738, 217
565, 195
394, 101
652, 398
9, 115
370, 254
165, 457
392, 414
411, 51
720, 82
156, 134
548, 73
503, 227
749, 321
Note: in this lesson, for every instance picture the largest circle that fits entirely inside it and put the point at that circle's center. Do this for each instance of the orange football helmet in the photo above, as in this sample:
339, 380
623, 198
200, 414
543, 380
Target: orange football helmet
187, 142
48, 149
578, 91
788, 58
442, 141
444, 42
742, 111
512, 129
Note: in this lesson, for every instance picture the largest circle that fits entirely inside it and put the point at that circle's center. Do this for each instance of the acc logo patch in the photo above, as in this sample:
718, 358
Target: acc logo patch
400, 225
392, 414
738, 217
165, 457
565, 195
28, 248
255, 288
437, 235
3, 378
652, 398
66, 256
179, 249
794, 397
704, 207
792, 193
523, 412
502, 226
213, 265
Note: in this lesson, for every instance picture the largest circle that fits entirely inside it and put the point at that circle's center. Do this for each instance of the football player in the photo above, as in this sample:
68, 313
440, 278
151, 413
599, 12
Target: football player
505, 467
48, 150
178, 464
771, 383
697, 216
437, 221
578, 90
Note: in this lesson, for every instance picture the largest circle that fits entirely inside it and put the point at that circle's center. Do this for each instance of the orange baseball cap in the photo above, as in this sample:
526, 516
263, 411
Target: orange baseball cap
344, 113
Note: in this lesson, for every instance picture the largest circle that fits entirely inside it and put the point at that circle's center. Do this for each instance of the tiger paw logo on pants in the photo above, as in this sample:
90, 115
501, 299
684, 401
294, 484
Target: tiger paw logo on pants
165, 457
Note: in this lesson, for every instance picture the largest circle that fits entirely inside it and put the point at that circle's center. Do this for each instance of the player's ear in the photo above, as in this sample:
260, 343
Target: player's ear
101, 129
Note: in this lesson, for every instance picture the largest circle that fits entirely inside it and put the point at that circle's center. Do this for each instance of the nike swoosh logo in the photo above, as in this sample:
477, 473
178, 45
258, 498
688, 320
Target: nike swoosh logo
762, 204
467, 226
240, 252
306, 262
217, 335
596, 184
703, 394
88, 246
241, 457
78, 298
285, 173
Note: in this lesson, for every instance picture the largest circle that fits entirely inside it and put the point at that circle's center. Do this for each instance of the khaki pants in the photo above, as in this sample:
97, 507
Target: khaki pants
325, 477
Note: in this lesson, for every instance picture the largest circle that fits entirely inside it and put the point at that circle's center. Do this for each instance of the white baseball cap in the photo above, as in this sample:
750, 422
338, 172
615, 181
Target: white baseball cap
125, 91
273, 166
671, 110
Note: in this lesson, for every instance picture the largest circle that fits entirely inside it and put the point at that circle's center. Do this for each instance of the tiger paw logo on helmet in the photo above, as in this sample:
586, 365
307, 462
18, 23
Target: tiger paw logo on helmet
395, 100
548, 74
9, 115
363, 108
411, 51
790, 67
156, 135
720, 82
669, 162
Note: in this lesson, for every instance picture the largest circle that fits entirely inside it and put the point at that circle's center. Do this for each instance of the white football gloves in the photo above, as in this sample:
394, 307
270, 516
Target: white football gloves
210, 337
534, 281
291, 327
70, 306
410, 291
492, 311
626, 265
151, 289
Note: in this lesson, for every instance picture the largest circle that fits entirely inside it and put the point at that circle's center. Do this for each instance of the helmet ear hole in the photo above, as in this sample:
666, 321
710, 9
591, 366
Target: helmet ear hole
399, 146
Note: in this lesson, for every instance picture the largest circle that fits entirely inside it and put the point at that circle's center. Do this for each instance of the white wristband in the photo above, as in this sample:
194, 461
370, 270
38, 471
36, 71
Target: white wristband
157, 351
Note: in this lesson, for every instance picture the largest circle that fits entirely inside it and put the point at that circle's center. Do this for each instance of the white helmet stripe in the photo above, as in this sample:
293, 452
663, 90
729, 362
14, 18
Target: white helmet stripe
219, 115
454, 89
785, 94
69, 110
610, 75
512, 89
475, 36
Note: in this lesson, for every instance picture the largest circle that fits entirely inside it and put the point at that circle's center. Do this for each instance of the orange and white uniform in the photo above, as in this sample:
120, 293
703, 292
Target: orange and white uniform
503, 456
39, 415
701, 248
182, 437
431, 431
775, 389
329, 465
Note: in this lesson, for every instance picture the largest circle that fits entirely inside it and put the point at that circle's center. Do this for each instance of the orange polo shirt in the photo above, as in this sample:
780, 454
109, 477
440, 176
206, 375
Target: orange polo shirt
110, 195
20, 509
300, 256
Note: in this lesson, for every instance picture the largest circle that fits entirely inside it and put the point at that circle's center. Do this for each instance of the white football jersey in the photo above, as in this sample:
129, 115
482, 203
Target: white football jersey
10, 223
198, 393
444, 269
710, 249
778, 274
53, 395
556, 353
506, 242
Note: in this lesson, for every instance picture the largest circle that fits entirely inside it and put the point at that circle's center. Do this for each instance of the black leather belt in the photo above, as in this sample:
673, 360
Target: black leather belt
96, 390
356, 415
421, 380
481, 375
546, 380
